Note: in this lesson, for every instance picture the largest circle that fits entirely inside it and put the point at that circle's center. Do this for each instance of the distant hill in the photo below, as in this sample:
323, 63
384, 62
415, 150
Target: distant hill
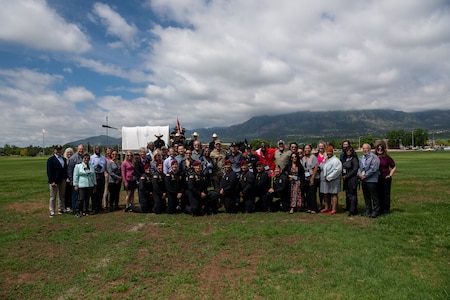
98, 140
311, 126
307, 125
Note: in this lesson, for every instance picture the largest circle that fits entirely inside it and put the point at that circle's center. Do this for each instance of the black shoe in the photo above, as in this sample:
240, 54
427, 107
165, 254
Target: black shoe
373, 216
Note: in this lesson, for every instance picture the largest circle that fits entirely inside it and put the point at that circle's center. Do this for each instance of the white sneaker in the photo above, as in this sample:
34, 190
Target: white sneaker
68, 209
52, 214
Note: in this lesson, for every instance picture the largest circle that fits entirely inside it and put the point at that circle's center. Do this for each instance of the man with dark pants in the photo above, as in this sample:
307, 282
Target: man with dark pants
159, 190
247, 188
278, 191
99, 163
262, 184
228, 188
197, 191
369, 164
175, 183
144, 192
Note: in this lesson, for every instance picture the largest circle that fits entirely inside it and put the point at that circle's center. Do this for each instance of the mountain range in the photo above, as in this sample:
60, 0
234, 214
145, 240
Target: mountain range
307, 126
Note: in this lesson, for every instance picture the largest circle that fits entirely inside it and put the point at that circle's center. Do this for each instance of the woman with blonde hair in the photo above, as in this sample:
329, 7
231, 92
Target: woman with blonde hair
320, 154
68, 191
157, 158
129, 179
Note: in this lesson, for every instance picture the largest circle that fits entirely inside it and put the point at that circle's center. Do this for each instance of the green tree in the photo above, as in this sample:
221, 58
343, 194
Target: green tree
420, 138
32, 150
442, 142
395, 138
369, 139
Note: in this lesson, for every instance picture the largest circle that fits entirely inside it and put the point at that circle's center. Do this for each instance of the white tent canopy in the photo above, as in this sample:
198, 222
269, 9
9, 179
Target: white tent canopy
135, 137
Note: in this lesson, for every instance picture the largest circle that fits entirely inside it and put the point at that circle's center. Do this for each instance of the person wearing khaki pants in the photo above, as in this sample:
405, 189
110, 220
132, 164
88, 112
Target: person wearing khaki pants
57, 175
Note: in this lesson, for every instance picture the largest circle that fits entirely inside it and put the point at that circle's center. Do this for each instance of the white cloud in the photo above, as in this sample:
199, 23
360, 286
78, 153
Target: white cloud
34, 24
135, 75
27, 80
247, 57
78, 94
29, 103
217, 63
116, 25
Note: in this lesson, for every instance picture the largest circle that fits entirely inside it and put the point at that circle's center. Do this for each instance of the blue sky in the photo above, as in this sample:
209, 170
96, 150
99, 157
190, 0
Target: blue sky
67, 65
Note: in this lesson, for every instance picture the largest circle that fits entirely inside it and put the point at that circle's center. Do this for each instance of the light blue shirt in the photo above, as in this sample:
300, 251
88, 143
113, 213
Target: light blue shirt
99, 163
167, 165
369, 165
61, 160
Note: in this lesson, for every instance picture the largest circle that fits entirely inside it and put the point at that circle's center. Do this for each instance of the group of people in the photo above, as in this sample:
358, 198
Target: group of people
188, 177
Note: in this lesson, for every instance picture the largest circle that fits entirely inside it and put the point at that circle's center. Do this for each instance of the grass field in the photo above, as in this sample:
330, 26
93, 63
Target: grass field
404, 255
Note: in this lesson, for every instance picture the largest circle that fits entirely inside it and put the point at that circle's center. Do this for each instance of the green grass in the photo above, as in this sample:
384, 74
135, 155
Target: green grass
261, 256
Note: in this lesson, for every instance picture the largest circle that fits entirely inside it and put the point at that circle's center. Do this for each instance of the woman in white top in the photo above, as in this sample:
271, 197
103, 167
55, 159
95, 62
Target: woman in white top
330, 181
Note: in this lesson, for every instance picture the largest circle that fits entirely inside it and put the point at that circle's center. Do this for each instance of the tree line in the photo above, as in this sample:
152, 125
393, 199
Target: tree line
395, 139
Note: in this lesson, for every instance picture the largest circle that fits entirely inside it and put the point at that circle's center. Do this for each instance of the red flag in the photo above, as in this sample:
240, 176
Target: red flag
178, 126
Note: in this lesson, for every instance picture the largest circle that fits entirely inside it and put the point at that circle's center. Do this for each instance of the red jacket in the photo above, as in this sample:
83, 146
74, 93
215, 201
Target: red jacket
267, 158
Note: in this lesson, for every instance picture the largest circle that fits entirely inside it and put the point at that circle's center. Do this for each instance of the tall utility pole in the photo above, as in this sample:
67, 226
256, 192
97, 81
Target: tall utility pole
107, 137
107, 126
43, 142
412, 137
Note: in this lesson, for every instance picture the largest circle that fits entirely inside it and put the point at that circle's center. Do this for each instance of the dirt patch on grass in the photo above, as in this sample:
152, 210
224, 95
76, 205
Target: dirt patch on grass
226, 272
26, 208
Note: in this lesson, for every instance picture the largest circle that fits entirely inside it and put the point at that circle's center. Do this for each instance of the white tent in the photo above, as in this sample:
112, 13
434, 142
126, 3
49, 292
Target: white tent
135, 137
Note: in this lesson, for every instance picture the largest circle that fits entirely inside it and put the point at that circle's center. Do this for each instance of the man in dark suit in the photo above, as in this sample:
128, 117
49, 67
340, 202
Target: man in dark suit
57, 175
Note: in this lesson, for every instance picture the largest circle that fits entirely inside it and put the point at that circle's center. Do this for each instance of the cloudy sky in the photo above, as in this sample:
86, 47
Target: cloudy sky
67, 65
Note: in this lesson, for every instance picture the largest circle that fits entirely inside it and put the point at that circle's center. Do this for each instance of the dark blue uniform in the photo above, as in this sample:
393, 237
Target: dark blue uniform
228, 182
197, 185
280, 184
247, 190
145, 194
175, 183
159, 193
262, 184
